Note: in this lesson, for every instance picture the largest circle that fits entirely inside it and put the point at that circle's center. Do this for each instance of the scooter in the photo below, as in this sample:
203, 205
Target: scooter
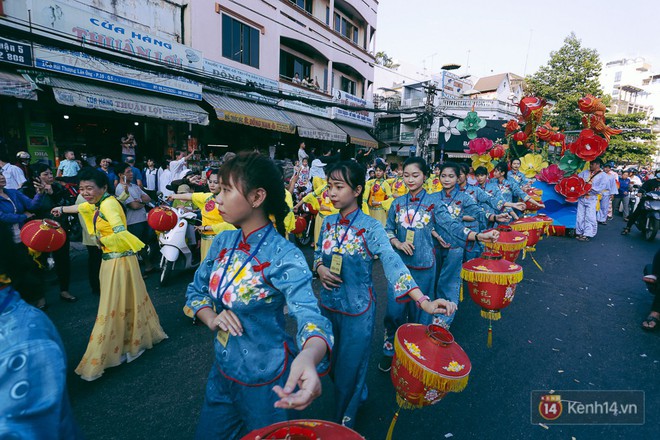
176, 245
306, 212
649, 222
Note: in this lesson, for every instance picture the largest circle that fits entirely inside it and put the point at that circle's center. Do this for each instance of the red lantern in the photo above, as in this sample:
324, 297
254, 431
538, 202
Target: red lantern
497, 152
510, 243
303, 430
311, 209
536, 195
162, 219
573, 187
529, 105
533, 227
427, 364
491, 282
492, 285
520, 137
43, 235
301, 225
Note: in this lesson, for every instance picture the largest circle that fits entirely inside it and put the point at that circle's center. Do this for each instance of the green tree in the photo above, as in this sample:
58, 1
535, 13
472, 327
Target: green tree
571, 73
635, 145
384, 60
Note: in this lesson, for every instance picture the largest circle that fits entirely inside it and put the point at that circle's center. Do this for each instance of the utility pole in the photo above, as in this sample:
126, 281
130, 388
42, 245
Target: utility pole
425, 122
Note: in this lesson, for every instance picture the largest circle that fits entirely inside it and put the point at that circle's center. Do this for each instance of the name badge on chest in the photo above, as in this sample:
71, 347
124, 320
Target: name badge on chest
223, 337
410, 236
335, 264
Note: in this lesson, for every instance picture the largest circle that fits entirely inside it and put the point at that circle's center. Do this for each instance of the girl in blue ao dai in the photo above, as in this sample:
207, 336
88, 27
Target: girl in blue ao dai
344, 258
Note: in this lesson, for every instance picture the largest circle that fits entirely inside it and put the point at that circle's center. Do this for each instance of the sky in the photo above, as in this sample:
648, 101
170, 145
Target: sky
513, 35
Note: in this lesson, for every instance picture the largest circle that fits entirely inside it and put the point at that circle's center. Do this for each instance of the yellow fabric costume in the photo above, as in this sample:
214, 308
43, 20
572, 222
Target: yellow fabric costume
126, 321
398, 187
210, 217
377, 191
433, 185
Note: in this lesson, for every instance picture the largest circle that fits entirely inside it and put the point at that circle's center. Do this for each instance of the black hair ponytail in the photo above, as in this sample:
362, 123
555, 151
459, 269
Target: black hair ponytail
250, 171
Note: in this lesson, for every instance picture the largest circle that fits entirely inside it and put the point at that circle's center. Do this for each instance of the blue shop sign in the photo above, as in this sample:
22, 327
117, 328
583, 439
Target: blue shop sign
15, 53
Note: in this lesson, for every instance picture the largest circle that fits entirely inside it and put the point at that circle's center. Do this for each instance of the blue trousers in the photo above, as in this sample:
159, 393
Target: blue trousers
401, 313
231, 410
350, 361
449, 281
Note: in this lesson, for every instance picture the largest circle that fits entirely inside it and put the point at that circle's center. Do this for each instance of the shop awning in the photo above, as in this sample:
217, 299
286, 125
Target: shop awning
250, 113
316, 128
80, 94
359, 136
14, 85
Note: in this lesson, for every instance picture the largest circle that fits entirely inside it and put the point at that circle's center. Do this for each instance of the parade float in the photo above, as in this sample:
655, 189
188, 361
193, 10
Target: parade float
545, 153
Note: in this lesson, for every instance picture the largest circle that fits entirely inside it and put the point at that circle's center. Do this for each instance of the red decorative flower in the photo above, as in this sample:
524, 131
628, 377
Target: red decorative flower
551, 174
479, 146
497, 152
588, 145
572, 187
511, 127
530, 104
545, 132
520, 137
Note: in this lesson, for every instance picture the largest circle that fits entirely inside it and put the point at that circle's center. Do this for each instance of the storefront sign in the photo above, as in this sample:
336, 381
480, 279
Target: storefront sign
108, 33
120, 105
365, 117
239, 76
40, 142
266, 124
300, 106
86, 66
451, 85
15, 52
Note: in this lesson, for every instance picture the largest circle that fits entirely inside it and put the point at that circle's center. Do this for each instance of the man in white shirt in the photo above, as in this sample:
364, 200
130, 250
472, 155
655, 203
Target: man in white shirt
178, 167
13, 174
586, 222
302, 154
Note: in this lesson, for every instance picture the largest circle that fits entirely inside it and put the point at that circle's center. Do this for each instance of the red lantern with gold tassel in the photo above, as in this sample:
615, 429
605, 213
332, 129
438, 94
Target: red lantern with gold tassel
510, 243
43, 235
162, 219
304, 430
536, 195
492, 283
427, 365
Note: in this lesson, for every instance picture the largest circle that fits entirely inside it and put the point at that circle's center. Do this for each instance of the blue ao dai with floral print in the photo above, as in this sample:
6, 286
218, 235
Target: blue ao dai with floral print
256, 290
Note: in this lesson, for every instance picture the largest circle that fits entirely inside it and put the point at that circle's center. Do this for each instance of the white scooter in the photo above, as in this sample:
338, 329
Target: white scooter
176, 245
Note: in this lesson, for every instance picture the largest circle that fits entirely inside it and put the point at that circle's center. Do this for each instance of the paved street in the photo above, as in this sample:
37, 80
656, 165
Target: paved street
575, 326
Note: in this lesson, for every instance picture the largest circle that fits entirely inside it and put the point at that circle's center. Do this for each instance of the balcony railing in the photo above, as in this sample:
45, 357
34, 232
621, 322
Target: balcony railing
478, 104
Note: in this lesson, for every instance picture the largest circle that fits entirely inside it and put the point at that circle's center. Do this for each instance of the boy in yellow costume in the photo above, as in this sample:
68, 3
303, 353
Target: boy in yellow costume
396, 183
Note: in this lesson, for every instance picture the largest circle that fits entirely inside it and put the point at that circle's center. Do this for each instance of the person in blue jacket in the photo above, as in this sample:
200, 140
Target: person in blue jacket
461, 207
347, 245
239, 292
411, 221
509, 188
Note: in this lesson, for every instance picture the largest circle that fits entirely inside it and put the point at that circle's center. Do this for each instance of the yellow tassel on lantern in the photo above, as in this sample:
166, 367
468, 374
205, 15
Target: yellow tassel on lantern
35, 256
394, 419
489, 342
493, 315
502, 279
460, 296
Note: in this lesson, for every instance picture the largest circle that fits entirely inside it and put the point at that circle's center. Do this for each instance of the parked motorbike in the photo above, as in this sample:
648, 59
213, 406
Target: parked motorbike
634, 198
649, 222
177, 246
304, 232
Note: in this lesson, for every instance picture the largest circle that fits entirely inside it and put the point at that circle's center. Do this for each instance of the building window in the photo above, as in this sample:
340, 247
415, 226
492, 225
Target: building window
291, 64
327, 15
348, 85
303, 4
617, 77
346, 28
615, 92
240, 42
